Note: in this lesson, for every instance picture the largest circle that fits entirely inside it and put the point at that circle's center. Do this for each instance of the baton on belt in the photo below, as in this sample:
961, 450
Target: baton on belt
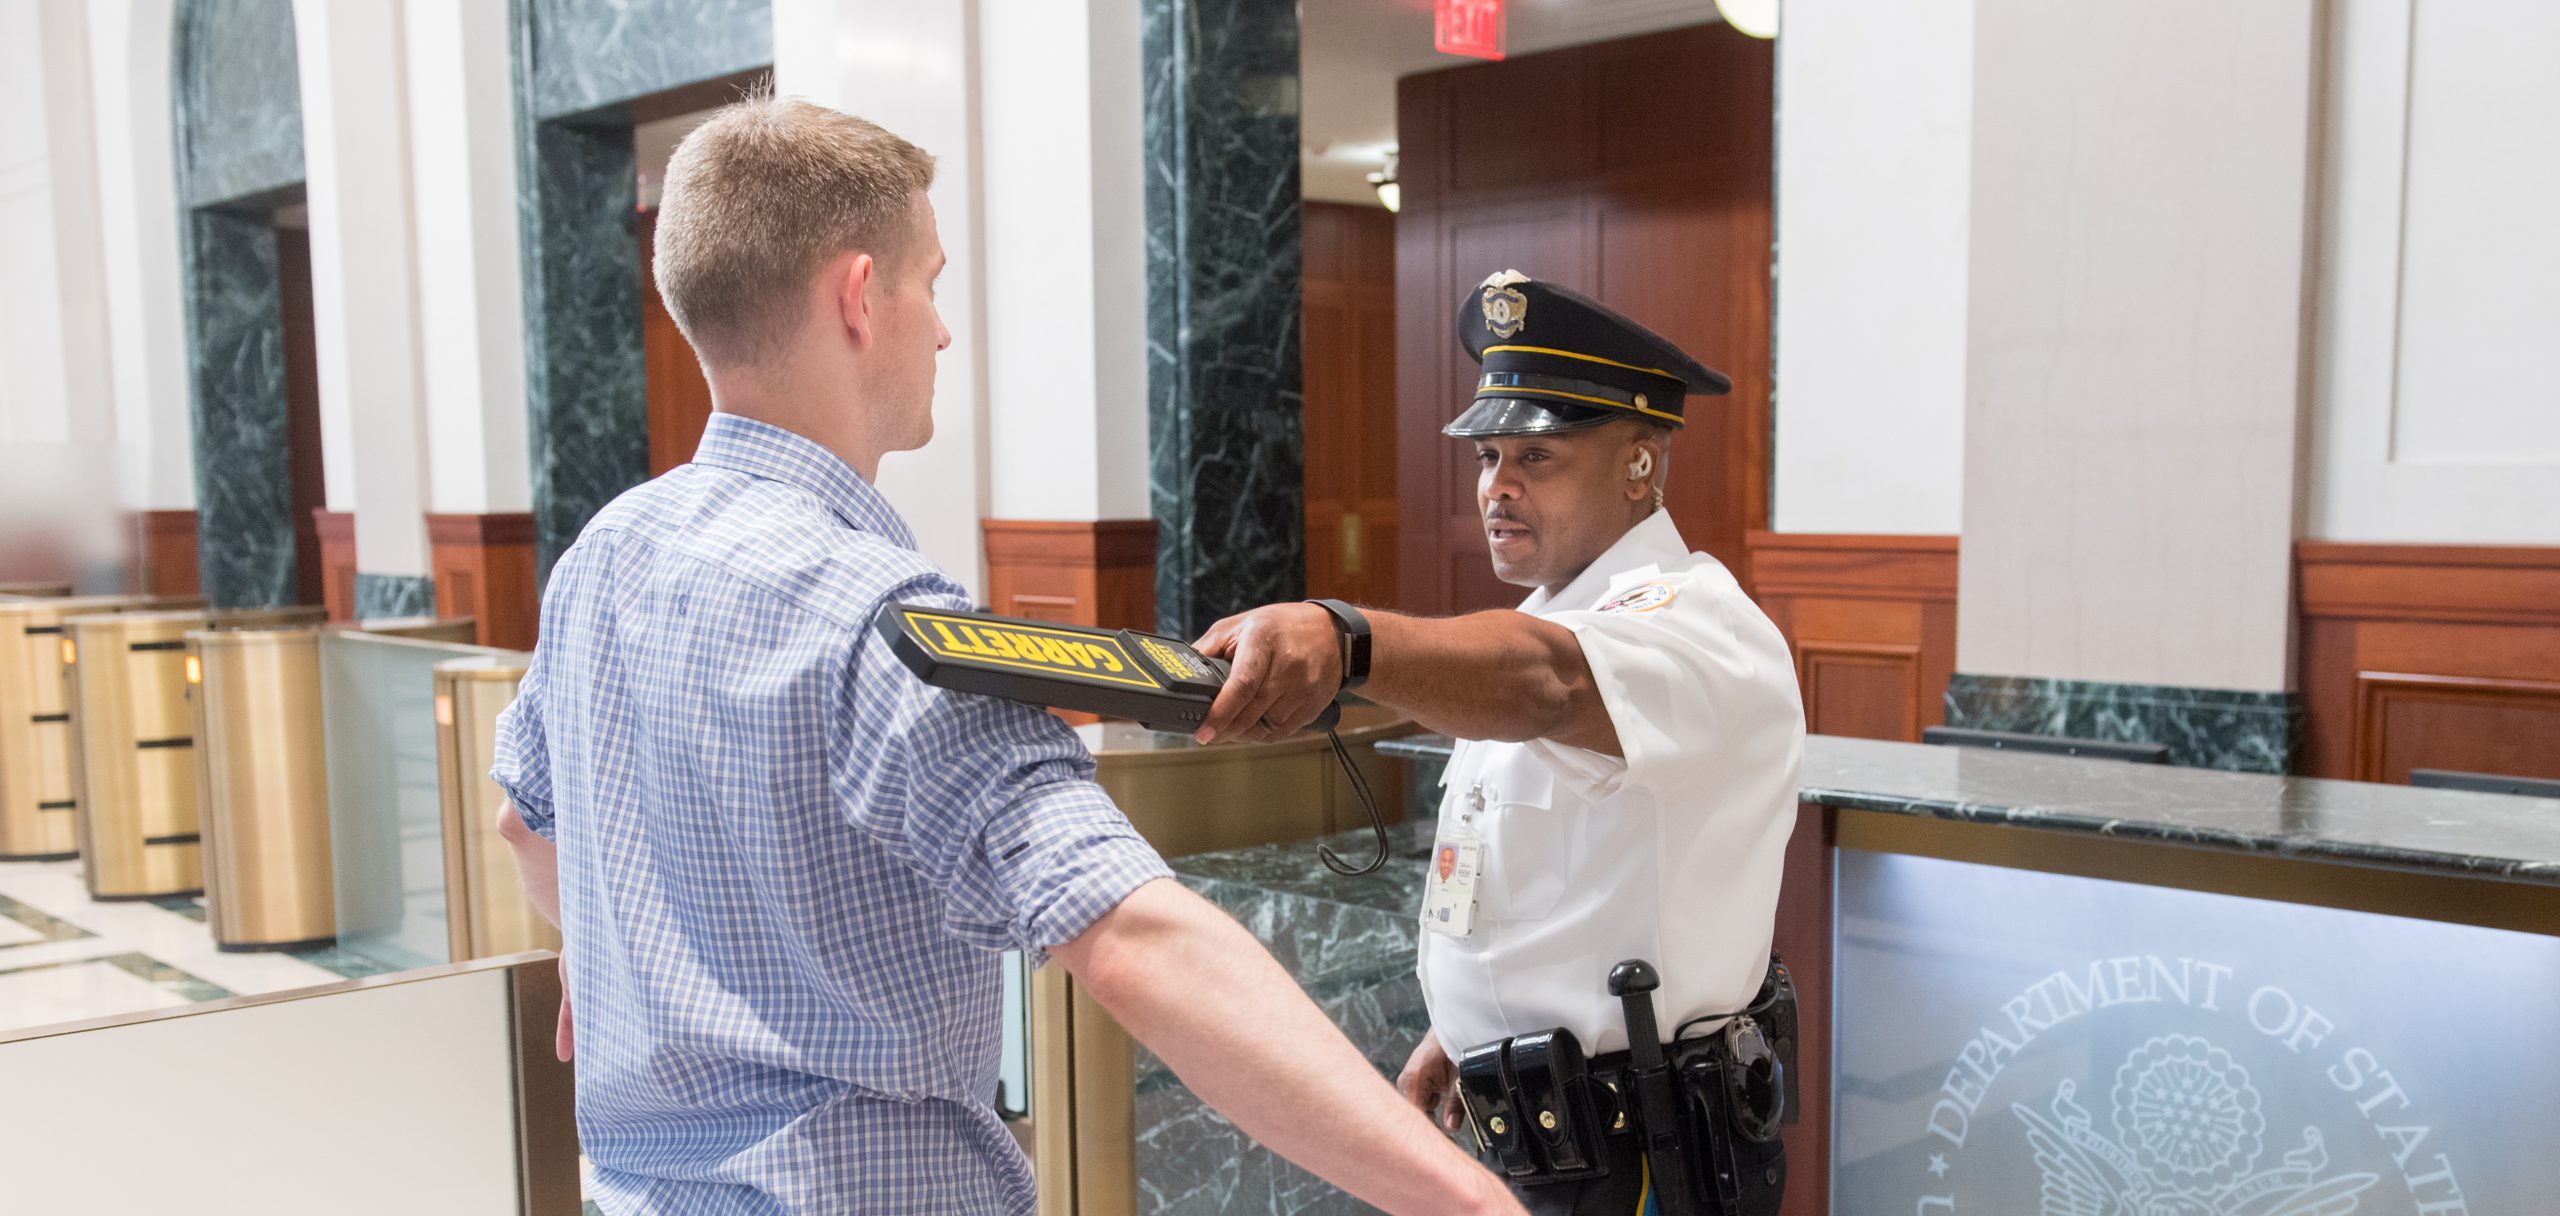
1633, 982
1160, 683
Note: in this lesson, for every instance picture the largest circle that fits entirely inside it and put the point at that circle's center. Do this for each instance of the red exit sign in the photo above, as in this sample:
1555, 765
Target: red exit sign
1467, 27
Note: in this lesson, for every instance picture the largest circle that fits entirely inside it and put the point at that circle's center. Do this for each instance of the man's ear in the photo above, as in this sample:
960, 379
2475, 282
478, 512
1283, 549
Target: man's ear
852, 299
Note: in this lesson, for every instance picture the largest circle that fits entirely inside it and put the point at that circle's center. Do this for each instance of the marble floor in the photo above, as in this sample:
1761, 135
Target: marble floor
65, 957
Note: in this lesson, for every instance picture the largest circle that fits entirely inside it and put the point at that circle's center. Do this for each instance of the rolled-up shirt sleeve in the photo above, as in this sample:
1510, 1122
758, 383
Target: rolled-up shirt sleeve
990, 801
523, 764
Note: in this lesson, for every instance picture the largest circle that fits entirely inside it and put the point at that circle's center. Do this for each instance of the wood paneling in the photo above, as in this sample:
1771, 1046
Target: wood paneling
162, 557
679, 397
2429, 656
1350, 355
1872, 623
1636, 171
1075, 572
1803, 938
484, 569
334, 540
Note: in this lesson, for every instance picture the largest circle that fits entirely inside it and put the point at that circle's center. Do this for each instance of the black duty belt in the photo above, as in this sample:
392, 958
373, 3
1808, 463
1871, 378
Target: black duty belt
1706, 1111
1156, 681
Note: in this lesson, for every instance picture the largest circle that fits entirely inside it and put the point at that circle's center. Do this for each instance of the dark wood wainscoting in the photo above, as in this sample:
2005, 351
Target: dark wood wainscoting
1635, 171
335, 534
1872, 622
162, 553
1075, 572
2429, 656
483, 569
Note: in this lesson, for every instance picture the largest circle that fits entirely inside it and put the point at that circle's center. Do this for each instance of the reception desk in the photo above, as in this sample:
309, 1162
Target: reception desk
2023, 977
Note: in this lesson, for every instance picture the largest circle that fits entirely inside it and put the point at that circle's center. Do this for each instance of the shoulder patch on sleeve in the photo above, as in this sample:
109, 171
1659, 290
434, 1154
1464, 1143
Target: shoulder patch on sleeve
1643, 597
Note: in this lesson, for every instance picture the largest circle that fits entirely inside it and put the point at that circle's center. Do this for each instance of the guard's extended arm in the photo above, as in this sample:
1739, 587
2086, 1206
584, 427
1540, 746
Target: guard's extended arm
1499, 675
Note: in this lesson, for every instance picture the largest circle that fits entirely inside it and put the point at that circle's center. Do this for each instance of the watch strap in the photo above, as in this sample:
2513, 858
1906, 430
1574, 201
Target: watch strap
1353, 626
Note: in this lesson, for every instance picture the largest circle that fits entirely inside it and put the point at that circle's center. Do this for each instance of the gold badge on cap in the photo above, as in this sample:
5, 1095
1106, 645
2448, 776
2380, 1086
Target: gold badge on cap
1505, 310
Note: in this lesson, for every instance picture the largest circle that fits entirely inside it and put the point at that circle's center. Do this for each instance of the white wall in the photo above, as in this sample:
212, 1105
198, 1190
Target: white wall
2437, 414
355, 150
2135, 337
56, 395
1066, 289
912, 67
1875, 137
470, 293
129, 43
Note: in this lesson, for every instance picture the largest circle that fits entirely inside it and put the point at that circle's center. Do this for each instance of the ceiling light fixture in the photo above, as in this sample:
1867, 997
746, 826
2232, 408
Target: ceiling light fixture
1390, 194
1758, 18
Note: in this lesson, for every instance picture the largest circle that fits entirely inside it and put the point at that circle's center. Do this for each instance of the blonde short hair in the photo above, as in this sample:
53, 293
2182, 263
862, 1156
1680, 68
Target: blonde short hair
756, 199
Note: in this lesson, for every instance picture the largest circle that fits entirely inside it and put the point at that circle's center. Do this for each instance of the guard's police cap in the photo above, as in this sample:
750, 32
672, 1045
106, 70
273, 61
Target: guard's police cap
1556, 360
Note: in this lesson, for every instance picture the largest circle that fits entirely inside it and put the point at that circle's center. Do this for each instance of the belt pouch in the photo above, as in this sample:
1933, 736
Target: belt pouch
1553, 1096
1484, 1081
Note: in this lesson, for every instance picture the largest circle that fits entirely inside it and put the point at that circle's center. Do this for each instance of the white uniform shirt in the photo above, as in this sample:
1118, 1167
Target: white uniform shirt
1671, 854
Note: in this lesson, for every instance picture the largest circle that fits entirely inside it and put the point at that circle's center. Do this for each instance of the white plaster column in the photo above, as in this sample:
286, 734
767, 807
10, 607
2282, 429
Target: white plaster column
470, 292
356, 166
129, 46
1875, 130
56, 398
2135, 336
913, 68
1066, 285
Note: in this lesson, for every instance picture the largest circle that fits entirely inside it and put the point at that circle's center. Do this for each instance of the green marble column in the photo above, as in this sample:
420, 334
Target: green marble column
236, 106
1227, 465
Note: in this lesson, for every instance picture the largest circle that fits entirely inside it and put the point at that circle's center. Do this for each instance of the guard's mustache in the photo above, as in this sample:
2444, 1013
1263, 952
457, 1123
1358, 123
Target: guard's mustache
1498, 515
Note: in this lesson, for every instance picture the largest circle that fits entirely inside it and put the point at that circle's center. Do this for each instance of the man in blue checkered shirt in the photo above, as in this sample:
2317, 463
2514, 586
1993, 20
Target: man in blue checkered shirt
784, 867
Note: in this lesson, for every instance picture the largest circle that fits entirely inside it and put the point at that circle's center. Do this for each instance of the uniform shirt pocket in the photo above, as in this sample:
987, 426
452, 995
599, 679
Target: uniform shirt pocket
1528, 842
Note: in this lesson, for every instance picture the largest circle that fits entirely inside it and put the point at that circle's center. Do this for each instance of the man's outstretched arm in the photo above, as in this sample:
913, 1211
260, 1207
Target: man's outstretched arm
1488, 675
1186, 980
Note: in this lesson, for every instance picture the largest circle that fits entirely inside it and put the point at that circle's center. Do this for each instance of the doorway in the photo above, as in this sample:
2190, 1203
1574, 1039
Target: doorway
679, 396
306, 472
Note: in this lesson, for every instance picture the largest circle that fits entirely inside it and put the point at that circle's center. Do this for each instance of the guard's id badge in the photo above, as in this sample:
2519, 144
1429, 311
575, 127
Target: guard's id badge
1449, 904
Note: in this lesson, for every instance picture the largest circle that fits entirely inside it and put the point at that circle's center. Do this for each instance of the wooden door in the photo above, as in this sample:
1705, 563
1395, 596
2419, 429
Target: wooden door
1350, 350
1636, 171
306, 471
679, 398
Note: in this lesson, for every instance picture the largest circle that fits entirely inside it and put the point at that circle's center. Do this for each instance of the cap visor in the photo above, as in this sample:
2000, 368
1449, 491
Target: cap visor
1493, 417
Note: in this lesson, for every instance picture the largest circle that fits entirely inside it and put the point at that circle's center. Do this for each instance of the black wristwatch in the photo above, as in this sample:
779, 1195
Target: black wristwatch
1354, 629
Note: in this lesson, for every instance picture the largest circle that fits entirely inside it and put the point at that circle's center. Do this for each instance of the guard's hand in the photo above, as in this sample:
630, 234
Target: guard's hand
1430, 1082
1287, 666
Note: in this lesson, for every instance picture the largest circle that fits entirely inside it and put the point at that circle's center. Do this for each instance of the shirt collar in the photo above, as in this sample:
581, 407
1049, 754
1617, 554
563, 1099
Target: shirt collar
1653, 541
761, 449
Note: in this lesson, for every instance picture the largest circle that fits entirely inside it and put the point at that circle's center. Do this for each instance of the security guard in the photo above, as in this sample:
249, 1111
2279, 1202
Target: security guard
1606, 1011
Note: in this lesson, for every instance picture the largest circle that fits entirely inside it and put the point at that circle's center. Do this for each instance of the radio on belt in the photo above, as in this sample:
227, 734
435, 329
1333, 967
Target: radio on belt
1157, 681
1160, 683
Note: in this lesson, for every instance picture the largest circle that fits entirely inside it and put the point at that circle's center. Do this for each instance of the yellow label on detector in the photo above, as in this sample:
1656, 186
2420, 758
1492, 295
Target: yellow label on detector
1075, 654
1172, 660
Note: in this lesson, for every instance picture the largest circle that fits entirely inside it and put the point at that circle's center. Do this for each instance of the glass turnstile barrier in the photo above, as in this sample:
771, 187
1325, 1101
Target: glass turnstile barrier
262, 763
486, 912
386, 805
38, 808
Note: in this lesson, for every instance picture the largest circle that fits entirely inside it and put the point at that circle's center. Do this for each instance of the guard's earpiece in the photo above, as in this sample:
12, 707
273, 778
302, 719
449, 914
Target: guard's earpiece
1641, 466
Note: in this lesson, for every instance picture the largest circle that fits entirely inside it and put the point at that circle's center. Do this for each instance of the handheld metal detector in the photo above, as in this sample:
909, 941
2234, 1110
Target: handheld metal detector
1156, 681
